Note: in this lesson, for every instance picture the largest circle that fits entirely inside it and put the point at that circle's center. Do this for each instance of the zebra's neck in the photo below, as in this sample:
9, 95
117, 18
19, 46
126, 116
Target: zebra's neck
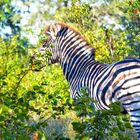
74, 64
75, 54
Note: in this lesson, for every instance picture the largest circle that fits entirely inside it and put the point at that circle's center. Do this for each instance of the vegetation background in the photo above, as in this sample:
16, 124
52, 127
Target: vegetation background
37, 105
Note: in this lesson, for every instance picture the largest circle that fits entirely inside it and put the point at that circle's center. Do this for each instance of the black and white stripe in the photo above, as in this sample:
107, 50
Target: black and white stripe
106, 83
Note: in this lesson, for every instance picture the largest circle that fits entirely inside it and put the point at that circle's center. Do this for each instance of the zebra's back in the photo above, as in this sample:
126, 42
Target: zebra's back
118, 82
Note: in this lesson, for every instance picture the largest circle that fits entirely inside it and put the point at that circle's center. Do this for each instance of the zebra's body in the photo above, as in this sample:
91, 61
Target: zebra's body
106, 83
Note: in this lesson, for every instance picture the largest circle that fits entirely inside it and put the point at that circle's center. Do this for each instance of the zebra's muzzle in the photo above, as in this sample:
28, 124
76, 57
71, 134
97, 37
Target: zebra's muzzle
36, 64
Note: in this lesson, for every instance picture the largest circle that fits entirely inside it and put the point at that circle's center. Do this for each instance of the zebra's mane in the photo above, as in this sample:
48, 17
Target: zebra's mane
64, 25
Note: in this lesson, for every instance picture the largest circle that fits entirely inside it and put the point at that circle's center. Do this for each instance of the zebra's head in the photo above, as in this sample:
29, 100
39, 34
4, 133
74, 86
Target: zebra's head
50, 47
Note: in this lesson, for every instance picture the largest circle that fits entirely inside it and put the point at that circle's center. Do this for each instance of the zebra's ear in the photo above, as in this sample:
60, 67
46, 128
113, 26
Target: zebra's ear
55, 28
51, 31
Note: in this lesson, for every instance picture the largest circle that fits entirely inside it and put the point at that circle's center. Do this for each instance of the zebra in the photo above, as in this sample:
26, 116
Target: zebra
106, 83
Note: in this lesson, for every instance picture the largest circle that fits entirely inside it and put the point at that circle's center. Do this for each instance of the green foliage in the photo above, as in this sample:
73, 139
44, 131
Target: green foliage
13, 69
28, 99
97, 124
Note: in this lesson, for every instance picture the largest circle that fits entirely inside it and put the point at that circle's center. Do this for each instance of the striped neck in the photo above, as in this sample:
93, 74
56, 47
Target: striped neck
75, 52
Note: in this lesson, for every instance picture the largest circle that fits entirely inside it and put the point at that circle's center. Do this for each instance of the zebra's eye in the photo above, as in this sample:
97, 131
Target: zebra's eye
44, 45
